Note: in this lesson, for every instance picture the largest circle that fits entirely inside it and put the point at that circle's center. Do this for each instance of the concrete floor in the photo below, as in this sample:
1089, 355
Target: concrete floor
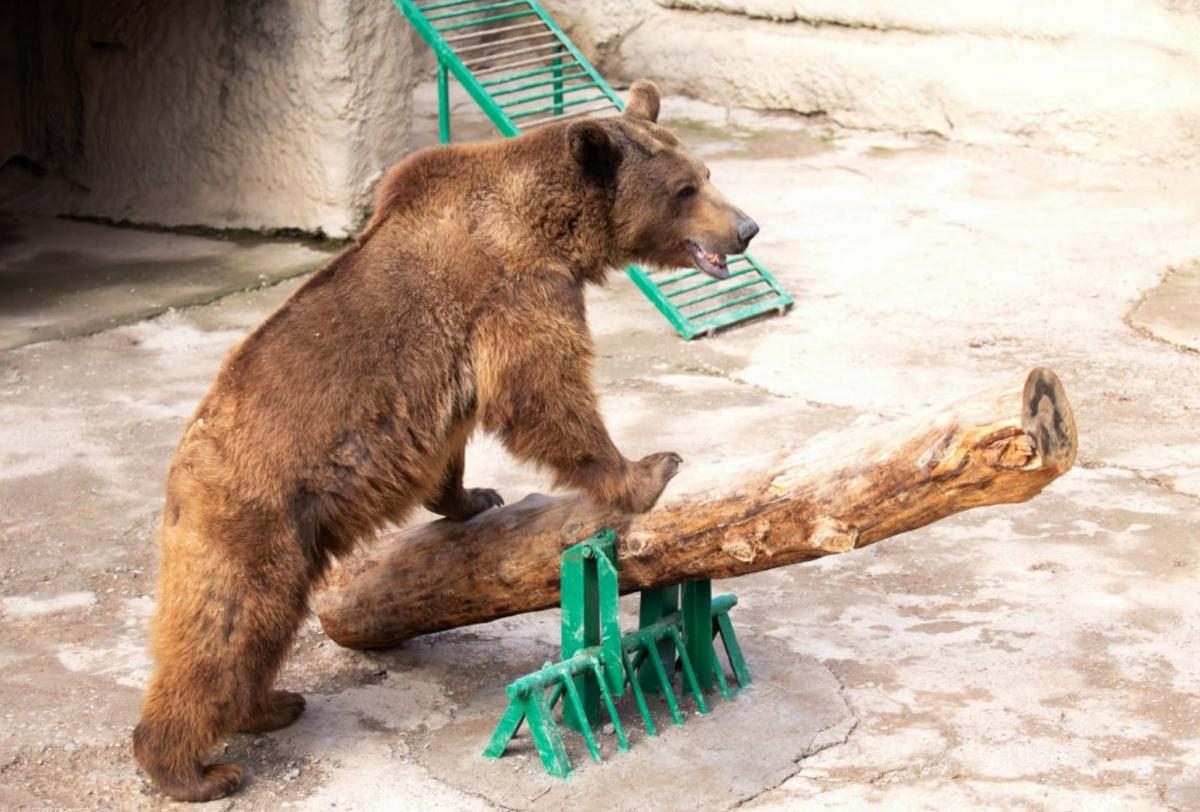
60, 278
1042, 656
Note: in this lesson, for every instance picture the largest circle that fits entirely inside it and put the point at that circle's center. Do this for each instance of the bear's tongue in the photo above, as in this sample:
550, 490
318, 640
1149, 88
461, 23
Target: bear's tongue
712, 264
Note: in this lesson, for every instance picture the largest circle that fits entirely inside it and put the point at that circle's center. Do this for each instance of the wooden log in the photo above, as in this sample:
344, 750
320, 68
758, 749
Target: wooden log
838, 493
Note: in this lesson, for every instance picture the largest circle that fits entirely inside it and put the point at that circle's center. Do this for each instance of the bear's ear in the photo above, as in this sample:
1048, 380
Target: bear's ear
643, 101
593, 149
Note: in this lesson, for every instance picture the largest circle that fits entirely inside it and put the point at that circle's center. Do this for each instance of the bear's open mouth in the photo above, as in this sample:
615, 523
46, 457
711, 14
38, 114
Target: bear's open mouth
711, 263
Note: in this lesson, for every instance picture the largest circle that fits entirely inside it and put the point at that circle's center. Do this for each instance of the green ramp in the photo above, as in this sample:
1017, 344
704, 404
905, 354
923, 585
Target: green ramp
523, 71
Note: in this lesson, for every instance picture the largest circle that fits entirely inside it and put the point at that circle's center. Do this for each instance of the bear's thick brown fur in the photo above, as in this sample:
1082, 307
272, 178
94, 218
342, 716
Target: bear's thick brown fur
460, 307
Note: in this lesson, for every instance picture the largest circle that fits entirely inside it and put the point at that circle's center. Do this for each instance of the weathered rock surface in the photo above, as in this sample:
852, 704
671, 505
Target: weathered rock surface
257, 115
1171, 311
1117, 79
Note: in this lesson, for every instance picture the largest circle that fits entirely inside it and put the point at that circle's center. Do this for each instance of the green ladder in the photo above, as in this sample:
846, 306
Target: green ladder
599, 662
523, 71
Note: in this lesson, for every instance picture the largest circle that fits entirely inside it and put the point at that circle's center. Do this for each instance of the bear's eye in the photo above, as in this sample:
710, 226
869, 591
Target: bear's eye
686, 191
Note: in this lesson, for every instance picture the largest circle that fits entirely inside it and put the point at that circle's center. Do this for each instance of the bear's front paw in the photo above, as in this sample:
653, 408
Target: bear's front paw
477, 500
650, 475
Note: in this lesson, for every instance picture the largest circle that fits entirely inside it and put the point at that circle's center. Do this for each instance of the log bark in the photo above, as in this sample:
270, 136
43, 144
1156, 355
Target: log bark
836, 494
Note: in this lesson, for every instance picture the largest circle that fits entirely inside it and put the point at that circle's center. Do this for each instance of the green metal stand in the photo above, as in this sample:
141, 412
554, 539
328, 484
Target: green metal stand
599, 662
589, 599
523, 71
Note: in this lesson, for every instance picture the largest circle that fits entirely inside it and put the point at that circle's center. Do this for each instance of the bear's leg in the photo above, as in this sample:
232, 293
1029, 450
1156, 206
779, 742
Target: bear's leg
568, 436
264, 635
535, 390
544, 409
456, 502
274, 710
175, 735
221, 632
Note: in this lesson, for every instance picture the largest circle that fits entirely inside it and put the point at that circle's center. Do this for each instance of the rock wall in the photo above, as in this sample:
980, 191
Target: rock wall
254, 114
268, 114
1119, 77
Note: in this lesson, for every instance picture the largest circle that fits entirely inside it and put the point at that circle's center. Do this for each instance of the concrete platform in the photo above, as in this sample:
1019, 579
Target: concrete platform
63, 278
1044, 655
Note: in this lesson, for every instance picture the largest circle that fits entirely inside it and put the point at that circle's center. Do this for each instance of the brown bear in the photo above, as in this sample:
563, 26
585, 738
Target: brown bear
461, 306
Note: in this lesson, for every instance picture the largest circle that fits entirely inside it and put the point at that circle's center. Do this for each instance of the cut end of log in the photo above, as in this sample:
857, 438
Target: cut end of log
1047, 419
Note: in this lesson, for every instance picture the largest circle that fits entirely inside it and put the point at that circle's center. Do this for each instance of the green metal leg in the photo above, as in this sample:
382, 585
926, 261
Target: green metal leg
722, 684
689, 673
732, 650
546, 737
638, 696
534, 709
665, 684
698, 630
575, 705
622, 742
510, 723
609, 621
443, 80
654, 605
580, 629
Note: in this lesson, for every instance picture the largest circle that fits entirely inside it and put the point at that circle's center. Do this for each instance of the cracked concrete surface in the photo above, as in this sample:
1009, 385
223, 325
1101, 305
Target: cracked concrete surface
1167, 312
1041, 655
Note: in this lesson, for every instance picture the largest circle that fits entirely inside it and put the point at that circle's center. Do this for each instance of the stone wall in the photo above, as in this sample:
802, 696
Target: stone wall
1118, 77
257, 114
267, 114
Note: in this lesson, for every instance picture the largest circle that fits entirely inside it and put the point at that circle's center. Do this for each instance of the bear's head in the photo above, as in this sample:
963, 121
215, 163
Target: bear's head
666, 211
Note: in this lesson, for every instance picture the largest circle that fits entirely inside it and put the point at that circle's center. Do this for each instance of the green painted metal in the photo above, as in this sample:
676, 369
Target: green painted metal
580, 628
763, 294
464, 36
653, 606
590, 618
529, 702
599, 661
732, 650
443, 80
557, 83
698, 629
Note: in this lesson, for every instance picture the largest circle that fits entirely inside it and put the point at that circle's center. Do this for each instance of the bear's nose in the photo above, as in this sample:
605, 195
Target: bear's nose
746, 229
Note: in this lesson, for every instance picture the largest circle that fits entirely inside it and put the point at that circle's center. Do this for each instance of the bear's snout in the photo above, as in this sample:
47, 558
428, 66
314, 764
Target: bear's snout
746, 229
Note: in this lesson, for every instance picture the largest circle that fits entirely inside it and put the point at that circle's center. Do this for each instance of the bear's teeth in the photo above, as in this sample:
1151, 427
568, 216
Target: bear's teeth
710, 262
